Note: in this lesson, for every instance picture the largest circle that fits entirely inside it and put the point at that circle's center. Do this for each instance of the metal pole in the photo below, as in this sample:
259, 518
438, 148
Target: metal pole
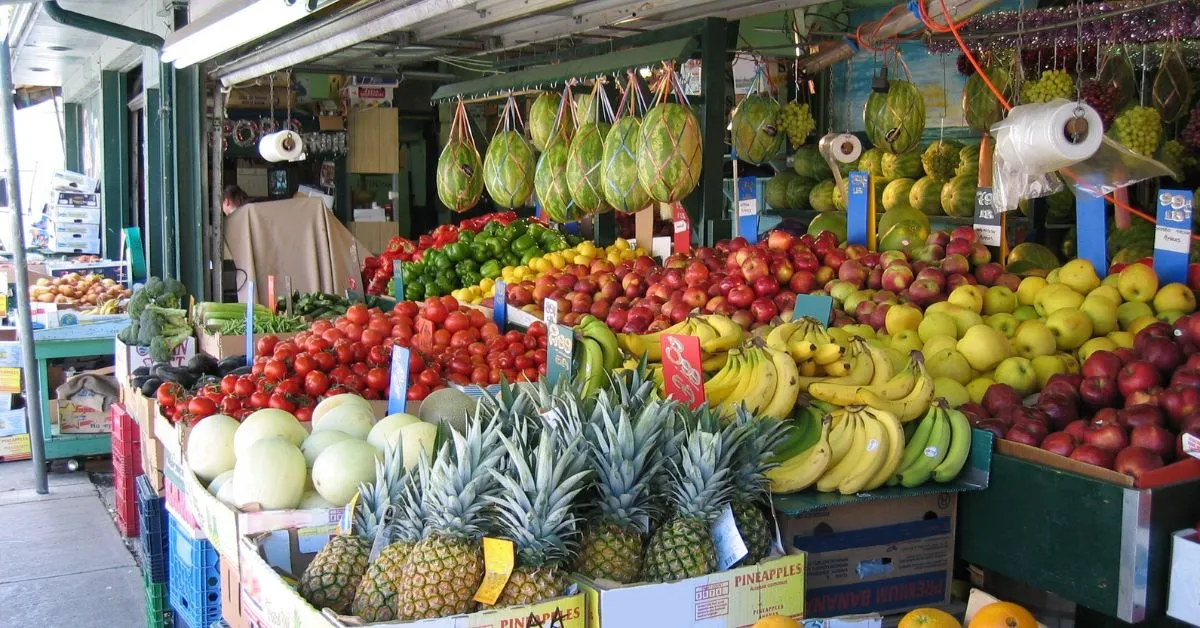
33, 395
216, 239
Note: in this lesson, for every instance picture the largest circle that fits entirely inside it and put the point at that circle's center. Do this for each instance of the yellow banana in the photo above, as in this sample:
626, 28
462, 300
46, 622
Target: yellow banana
861, 369
898, 387
763, 384
714, 362
816, 332
841, 434
779, 335
702, 330
870, 460
895, 436
808, 369
840, 368
883, 366
718, 389
799, 472
910, 407
742, 383
829, 392
800, 349
647, 344
729, 333
828, 353
840, 471
787, 385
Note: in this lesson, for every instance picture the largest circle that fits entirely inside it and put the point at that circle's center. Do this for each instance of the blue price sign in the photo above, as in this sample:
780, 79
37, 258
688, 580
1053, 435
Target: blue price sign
858, 207
560, 345
1173, 235
250, 322
398, 385
1091, 227
500, 304
398, 280
818, 306
747, 208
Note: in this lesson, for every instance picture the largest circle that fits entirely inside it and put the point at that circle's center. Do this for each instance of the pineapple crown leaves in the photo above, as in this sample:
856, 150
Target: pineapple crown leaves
701, 479
461, 478
510, 406
374, 498
409, 525
624, 456
753, 457
535, 509
634, 387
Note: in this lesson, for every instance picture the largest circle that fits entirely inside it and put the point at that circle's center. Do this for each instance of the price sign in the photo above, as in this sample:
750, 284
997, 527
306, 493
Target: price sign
1191, 445
398, 280
423, 339
683, 375
560, 347
683, 228
1091, 229
550, 311
500, 304
250, 322
815, 306
858, 207
398, 384
1173, 235
10, 380
731, 547
987, 219
498, 560
747, 208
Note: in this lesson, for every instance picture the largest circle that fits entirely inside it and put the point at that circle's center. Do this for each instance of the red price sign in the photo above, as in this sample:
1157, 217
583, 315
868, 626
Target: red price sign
423, 339
682, 229
682, 372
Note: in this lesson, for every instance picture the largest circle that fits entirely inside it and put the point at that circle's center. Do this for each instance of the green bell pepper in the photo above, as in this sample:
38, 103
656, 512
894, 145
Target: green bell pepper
491, 269
457, 252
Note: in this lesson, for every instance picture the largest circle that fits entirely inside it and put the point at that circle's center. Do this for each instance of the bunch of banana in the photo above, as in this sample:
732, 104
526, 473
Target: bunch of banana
763, 379
810, 345
906, 394
109, 307
938, 447
858, 449
598, 353
718, 334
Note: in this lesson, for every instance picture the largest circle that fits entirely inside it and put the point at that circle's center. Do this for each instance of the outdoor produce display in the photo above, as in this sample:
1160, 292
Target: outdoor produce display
157, 318
94, 293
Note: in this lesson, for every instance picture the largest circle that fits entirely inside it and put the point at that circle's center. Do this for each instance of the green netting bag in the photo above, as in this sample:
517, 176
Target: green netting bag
509, 163
550, 176
543, 119
669, 157
621, 186
755, 127
459, 173
585, 161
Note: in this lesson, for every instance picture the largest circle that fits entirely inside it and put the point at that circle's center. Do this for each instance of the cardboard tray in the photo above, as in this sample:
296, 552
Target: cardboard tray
220, 346
1174, 473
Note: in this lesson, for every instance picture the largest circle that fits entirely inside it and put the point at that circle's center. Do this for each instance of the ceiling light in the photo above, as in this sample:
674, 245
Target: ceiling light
231, 24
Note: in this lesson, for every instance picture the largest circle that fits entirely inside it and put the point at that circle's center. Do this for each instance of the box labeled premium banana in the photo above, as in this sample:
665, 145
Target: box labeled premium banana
725, 599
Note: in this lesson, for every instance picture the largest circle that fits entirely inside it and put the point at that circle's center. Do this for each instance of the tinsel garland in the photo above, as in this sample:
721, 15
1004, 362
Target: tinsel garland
1171, 21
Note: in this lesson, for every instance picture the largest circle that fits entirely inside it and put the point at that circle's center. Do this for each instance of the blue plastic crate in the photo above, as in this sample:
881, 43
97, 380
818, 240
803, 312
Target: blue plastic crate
193, 576
152, 521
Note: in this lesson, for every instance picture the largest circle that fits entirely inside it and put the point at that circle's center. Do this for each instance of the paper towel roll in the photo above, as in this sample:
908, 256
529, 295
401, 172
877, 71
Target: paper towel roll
840, 147
281, 146
1041, 138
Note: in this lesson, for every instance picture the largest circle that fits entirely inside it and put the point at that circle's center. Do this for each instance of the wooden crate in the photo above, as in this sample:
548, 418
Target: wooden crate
374, 139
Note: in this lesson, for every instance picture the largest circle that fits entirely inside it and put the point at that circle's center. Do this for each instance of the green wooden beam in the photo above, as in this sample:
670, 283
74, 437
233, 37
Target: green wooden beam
165, 232
114, 138
153, 183
706, 206
72, 129
189, 193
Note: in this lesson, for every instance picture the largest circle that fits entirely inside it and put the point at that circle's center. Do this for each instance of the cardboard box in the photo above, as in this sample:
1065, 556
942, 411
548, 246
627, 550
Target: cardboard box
883, 556
68, 181
79, 416
15, 448
850, 621
170, 437
12, 423
231, 595
738, 597
69, 244
74, 215
129, 358
222, 346
375, 235
141, 408
267, 598
1183, 470
1183, 597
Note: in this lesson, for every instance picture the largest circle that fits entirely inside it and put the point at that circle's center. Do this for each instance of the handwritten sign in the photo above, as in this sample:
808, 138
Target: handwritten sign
500, 304
1173, 235
683, 375
398, 384
682, 228
560, 347
987, 219
747, 208
550, 311
858, 207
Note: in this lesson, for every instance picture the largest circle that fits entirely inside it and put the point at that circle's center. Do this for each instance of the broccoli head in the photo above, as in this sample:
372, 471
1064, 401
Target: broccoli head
138, 303
167, 324
154, 287
129, 335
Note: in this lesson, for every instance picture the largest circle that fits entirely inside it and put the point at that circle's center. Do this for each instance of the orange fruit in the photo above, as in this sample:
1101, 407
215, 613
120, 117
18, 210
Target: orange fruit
928, 618
1003, 615
776, 621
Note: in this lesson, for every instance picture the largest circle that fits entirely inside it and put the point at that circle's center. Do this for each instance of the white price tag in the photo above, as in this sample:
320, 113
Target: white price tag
550, 311
681, 226
1191, 445
730, 546
1172, 239
747, 206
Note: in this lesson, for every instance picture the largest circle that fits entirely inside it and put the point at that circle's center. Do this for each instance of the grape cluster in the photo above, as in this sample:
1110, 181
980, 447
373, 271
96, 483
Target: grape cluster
964, 66
1139, 129
798, 122
1052, 84
1174, 156
1103, 98
1191, 132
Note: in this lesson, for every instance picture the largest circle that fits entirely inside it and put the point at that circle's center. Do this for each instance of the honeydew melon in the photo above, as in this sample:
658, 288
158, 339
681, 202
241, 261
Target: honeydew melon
271, 474
267, 423
210, 446
344, 465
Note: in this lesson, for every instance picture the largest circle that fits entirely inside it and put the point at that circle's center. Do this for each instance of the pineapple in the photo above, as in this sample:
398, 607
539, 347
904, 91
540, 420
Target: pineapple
535, 512
621, 452
445, 567
750, 485
333, 576
683, 546
377, 595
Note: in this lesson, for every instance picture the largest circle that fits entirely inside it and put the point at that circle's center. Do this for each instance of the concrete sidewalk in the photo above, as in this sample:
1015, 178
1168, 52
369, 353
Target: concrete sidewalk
64, 562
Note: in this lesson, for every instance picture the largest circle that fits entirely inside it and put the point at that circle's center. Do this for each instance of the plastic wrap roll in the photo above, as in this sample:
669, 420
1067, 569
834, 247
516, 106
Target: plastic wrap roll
1035, 140
281, 146
841, 147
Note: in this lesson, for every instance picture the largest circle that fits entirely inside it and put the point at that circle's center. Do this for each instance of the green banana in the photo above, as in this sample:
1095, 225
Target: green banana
920, 436
803, 431
592, 373
593, 328
931, 456
960, 446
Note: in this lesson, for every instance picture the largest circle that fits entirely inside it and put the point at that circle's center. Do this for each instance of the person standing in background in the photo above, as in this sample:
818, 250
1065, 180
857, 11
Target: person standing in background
232, 198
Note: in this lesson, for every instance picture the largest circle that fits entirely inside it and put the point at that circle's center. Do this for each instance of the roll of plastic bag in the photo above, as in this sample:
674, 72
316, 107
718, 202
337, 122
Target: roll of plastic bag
1036, 140
281, 146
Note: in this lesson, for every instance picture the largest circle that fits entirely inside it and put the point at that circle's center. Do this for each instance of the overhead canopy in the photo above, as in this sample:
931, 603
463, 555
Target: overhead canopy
557, 74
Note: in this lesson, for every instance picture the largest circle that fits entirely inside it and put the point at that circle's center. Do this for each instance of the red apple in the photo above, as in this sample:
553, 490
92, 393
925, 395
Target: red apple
1065, 384
1061, 409
1009, 280
1187, 328
805, 259
781, 270
878, 318
1186, 377
824, 275
924, 291
1093, 455
696, 273
1101, 364
616, 318
955, 264
1036, 428
694, 297
763, 309
964, 232
980, 254
1141, 414
1100, 392
644, 263
896, 277
741, 296
956, 280
658, 291
940, 238
1018, 435
1001, 397
856, 251
854, 272
988, 273
1138, 376
1060, 443
1193, 278
1134, 461
786, 302
1179, 402
1106, 416
1027, 413
738, 243
715, 304
834, 258
765, 286
875, 279
1147, 396
973, 408
1076, 429
997, 427
864, 310
779, 240
1165, 354
743, 318
755, 267
1155, 438
1106, 436
803, 282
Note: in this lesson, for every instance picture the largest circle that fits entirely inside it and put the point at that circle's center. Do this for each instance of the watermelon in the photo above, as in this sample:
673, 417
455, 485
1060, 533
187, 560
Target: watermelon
621, 187
903, 236
585, 113
585, 177
895, 194
834, 222
968, 161
1060, 206
755, 130
941, 158
821, 196
1032, 255
550, 181
798, 190
903, 166
871, 161
543, 114
668, 159
508, 169
809, 164
776, 190
926, 195
980, 107
840, 200
1132, 254
895, 119
459, 176
902, 214
958, 196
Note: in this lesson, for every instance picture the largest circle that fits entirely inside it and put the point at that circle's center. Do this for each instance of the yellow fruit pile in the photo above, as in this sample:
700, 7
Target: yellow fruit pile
583, 253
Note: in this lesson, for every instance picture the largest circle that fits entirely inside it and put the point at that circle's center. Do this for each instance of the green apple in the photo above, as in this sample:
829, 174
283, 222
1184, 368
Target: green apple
977, 388
1138, 282
999, 300
967, 296
964, 318
983, 347
1102, 312
1025, 313
902, 318
1141, 323
1109, 292
906, 341
939, 342
953, 392
851, 302
1052, 276
866, 332
948, 363
841, 290
899, 360
1047, 366
1111, 280
1131, 311
936, 324
1099, 343
1017, 372
1056, 297
1170, 316
1027, 291
1071, 328
1003, 323
1080, 275
1175, 297
1032, 339
1123, 339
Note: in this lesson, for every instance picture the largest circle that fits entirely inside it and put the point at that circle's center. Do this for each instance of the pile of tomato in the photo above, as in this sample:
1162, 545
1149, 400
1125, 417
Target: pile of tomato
448, 342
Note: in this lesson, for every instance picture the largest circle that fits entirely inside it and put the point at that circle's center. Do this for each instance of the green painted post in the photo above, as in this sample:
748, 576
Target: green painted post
341, 191
169, 266
152, 131
713, 58
189, 193
72, 146
114, 138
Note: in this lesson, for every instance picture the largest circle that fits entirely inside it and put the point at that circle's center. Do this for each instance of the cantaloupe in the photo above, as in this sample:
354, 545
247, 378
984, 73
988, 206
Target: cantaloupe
210, 446
329, 403
342, 467
449, 406
386, 432
317, 442
351, 418
270, 474
265, 424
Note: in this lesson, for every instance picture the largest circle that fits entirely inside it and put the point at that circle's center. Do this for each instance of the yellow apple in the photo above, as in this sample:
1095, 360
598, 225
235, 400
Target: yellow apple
838, 335
1138, 282
906, 341
948, 363
953, 392
1003, 323
1029, 288
1175, 297
1025, 313
1033, 339
1046, 366
865, 332
1052, 276
1111, 280
1056, 297
983, 347
939, 342
1122, 339
1169, 316
1131, 311
999, 300
852, 301
1141, 323
1069, 360
1071, 328
1080, 275
977, 388
1017, 372
902, 318
964, 318
1099, 343
936, 324
967, 296
1108, 292
1102, 312
898, 360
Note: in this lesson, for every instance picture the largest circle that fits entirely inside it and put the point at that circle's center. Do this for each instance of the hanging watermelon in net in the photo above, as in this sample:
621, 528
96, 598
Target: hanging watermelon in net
621, 186
509, 162
669, 157
895, 118
459, 173
550, 176
585, 175
543, 116
755, 127
980, 106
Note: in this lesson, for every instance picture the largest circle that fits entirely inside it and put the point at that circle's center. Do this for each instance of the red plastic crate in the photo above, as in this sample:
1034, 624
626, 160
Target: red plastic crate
126, 444
126, 504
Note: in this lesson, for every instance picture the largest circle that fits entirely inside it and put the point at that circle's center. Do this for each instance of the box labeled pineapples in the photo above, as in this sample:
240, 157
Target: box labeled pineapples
724, 599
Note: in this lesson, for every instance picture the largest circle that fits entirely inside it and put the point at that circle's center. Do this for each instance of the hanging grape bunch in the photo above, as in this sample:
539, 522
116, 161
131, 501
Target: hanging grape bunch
797, 122
1139, 129
1052, 84
1191, 132
1103, 98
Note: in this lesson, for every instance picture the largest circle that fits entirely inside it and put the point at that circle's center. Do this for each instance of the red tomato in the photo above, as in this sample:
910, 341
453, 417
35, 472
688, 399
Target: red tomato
515, 349
406, 308
201, 406
244, 386
457, 321
504, 360
479, 375
274, 370
537, 329
289, 345
489, 330
377, 356
321, 327
417, 392
415, 362
523, 361
168, 394
460, 338
530, 342
370, 338
450, 303
477, 348
429, 377
360, 368
381, 325
316, 383
355, 382
530, 374
257, 369
378, 379
304, 414
284, 354
326, 361
230, 405
358, 314
340, 374
303, 364
353, 331
333, 335
435, 311
442, 337
460, 366
514, 336
265, 345
477, 318
402, 332
291, 386
281, 402
229, 384
316, 345
494, 376
345, 354
539, 356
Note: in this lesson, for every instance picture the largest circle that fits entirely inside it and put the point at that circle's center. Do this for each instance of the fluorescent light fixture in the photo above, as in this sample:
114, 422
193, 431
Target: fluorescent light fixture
231, 24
